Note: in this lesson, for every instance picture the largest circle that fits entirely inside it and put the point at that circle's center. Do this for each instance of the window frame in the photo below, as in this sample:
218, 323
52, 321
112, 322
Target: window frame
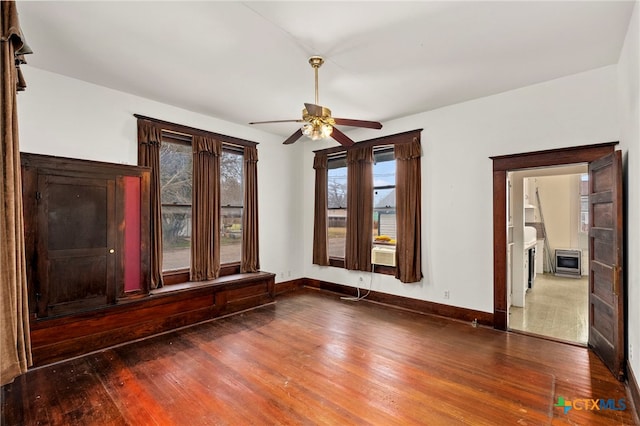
342, 159
235, 150
381, 151
184, 142
179, 132
385, 142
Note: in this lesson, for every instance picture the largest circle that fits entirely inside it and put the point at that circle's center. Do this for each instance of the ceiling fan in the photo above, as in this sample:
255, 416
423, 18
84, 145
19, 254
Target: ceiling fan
319, 124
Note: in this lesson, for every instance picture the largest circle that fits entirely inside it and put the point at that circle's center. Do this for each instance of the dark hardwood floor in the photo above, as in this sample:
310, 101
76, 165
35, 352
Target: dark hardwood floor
312, 358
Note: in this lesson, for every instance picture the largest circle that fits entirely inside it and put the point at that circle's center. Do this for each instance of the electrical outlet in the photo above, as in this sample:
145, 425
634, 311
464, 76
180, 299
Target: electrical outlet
630, 352
446, 294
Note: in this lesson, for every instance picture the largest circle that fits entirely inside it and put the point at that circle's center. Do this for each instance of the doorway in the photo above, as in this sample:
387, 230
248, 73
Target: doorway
606, 285
548, 221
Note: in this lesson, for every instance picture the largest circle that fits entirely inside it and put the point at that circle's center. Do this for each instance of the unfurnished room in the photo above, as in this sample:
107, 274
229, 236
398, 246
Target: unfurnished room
345, 212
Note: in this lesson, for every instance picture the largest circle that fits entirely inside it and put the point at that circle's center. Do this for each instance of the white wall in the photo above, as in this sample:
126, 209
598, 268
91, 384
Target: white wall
628, 95
457, 236
65, 117
560, 199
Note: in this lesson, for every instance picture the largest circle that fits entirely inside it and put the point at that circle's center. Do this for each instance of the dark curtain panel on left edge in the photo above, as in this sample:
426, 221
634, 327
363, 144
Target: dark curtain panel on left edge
149, 139
250, 261
359, 208
205, 246
15, 343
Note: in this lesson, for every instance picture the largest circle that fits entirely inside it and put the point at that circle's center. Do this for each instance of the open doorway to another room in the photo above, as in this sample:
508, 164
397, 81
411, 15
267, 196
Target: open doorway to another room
548, 259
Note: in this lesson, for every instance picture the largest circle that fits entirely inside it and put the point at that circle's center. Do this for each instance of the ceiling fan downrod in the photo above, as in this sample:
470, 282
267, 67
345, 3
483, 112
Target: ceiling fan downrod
316, 62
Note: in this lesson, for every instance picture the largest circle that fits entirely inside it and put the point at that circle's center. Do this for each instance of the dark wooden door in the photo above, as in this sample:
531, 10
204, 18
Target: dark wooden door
606, 289
77, 237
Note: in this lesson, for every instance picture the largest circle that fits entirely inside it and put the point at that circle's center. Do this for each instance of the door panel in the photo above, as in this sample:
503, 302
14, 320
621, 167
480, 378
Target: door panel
606, 298
78, 236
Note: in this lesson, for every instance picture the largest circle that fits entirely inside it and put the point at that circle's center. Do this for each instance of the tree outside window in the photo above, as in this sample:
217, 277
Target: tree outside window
384, 197
231, 205
176, 183
337, 206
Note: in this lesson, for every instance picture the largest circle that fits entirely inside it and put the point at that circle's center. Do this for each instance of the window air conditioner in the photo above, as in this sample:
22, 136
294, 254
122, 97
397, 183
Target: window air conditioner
383, 256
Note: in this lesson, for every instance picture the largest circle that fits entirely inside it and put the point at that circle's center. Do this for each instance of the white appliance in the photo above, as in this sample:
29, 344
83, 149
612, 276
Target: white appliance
385, 256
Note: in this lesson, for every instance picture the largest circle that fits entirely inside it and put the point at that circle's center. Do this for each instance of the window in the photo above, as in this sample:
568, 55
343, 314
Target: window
176, 173
193, 172
384, 196
176, 183
389, 167
584, 202
337, 205
231, 204
384, 200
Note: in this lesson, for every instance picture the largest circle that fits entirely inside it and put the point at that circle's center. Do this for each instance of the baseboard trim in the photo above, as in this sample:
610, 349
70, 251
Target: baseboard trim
290, 285
420, 306
634, 391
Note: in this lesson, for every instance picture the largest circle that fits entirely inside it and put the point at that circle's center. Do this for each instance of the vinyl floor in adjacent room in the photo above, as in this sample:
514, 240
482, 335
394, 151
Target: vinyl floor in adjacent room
556, 307
312, 358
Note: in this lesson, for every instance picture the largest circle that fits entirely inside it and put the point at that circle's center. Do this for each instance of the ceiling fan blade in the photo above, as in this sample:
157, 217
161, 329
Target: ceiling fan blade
341, 137
277, 121
358, 123
294, 137
313, 109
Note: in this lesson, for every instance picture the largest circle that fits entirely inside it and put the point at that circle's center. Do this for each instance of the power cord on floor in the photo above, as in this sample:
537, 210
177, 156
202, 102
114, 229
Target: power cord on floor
358, 297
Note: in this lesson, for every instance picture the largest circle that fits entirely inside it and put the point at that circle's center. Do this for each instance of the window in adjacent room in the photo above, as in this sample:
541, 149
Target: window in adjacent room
337, 205
231, 205
176, 172
584, 202
384, 196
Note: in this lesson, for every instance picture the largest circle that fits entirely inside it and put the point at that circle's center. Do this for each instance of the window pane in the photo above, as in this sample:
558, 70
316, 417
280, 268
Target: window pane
176, 168
384, 196
176, 237
337, 232
231, 200
231, 235
584, 202
337, 187
231, 185
175, 192
337, 206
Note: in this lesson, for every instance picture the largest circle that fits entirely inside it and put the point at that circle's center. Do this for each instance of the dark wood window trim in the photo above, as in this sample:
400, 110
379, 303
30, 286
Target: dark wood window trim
398, 138
192, 131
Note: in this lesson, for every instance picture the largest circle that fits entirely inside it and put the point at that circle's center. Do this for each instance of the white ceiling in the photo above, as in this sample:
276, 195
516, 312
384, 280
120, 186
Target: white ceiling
247, 61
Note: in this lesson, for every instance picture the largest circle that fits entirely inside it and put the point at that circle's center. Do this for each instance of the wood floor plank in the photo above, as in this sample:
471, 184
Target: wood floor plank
312, 358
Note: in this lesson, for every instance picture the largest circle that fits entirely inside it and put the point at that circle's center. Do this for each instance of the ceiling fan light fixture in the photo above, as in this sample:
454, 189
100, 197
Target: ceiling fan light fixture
318, 123
317, 131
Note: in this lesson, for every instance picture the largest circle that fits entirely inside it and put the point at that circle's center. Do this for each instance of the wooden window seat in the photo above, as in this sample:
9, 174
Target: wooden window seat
162, 310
